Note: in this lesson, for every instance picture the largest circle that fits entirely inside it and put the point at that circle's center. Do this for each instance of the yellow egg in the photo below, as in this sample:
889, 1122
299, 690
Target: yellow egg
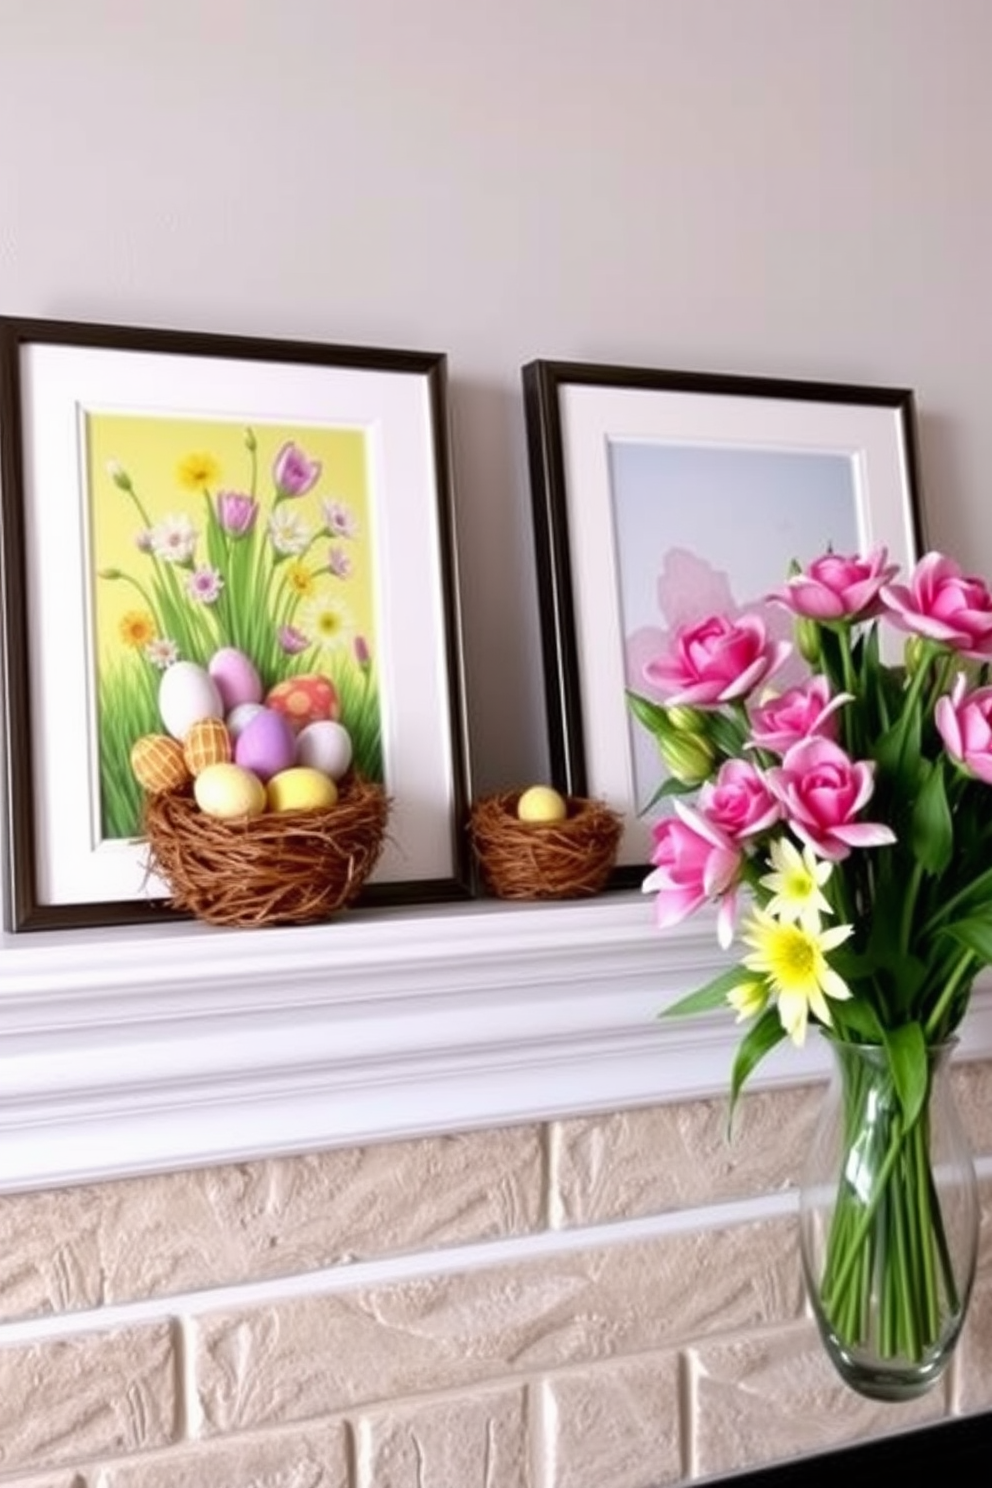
229, 792
158, 763
301, 788
542, 804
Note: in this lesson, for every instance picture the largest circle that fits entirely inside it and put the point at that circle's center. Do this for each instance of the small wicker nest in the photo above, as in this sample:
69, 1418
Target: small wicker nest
567, 859
285, 868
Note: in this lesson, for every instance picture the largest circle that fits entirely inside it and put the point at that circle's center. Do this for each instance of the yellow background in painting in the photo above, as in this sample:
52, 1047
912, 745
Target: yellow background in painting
151, 450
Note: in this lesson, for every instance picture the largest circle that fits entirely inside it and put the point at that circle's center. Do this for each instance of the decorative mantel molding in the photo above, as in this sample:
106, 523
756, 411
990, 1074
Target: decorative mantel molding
166, 1047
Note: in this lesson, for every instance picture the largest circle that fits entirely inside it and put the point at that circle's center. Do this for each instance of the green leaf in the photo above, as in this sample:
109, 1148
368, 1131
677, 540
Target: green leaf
712, 995
725, 733
906, 1047
651, 715
932, 828
759, 1040
668, 787
858, 1017
974, 934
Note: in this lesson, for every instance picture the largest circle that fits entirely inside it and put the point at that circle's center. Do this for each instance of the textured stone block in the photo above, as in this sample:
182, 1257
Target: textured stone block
614, 1424
973, 1365
101, 1394
315, 1356
765, 1397
662, 1158
179, 1232
315, 1457
973, 1093
457, 1440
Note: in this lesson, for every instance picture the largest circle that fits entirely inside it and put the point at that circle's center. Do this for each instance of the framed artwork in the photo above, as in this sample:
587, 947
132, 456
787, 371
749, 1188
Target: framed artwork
662, 497
166, 495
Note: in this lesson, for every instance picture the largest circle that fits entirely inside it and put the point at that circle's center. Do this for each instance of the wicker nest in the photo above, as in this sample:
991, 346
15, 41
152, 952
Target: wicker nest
286, 868
567, 859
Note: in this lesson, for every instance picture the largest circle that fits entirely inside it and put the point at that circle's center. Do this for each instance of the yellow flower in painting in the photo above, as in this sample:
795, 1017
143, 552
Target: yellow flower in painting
300, 579
198, 470
793, 960
136, 629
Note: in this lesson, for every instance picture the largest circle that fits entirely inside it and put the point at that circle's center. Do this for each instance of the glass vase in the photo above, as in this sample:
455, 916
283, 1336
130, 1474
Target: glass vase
888, 1225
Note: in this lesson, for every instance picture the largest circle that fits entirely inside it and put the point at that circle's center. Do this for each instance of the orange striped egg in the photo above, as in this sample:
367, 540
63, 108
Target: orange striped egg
207, 743
158, 763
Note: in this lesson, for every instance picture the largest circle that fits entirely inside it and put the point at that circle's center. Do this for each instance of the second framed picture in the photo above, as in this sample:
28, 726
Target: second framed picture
170, 499
662, 498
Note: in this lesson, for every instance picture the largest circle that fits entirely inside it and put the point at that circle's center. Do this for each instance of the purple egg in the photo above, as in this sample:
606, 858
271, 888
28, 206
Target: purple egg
266, 744
235, 677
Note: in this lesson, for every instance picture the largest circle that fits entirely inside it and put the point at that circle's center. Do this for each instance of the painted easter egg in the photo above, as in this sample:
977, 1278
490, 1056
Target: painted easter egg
542, 804
304, 699
301, 789
228, 792
325, 745
239, 716
266, 744
158, 763
187, 693
236, 677
207, 743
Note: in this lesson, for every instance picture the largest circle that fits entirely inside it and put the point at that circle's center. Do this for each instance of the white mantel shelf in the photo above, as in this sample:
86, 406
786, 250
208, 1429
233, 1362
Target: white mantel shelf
172, 1046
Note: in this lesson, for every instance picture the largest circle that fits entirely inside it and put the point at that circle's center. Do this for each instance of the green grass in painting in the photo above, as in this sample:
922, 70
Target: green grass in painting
128, 708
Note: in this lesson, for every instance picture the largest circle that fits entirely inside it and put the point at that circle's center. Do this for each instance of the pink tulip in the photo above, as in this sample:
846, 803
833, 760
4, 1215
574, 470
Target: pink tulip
716, 661
236, 512
694, 862
838, 588
293, 472
943, 604
822, 790
964, 722
803, 712
739, 801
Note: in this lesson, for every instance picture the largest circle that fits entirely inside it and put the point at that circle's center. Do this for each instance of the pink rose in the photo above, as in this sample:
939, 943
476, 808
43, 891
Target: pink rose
964, 722
822, 791
716, 660
944, 604
838, 588
739, 801
802, 712
694, 862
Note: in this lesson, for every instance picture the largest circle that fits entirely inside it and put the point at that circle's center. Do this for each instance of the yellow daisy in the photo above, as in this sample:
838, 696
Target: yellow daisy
796, 882
198, 470
136, 628
793, 961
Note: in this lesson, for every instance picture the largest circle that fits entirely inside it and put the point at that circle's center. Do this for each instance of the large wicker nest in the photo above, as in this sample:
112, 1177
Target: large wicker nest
280, 868
566, 859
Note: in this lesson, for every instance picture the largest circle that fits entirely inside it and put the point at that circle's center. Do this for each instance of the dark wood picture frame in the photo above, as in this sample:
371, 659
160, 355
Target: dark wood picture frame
575, 413
39, 360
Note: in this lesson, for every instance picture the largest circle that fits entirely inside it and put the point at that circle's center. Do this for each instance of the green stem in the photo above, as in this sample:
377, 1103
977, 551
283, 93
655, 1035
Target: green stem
950, 987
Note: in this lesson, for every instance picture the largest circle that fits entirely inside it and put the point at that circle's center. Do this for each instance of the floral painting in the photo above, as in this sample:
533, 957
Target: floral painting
207, 533
685, 520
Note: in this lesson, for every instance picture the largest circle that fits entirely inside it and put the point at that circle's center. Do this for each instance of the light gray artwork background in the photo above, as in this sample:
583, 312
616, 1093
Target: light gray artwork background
700, 530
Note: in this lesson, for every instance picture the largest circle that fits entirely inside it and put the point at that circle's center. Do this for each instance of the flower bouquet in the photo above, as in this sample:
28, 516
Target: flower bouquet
842, 828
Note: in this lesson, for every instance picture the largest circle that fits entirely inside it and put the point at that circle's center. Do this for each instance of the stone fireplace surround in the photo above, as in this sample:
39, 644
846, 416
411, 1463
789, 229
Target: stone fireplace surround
343, 1201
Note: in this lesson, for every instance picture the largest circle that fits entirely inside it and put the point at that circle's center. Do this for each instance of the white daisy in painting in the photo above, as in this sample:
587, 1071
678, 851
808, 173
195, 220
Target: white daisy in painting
288, 532
326, 622
173, 539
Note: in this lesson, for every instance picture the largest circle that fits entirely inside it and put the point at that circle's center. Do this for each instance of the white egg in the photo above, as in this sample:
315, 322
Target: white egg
240, 716
324, 746
187, 694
